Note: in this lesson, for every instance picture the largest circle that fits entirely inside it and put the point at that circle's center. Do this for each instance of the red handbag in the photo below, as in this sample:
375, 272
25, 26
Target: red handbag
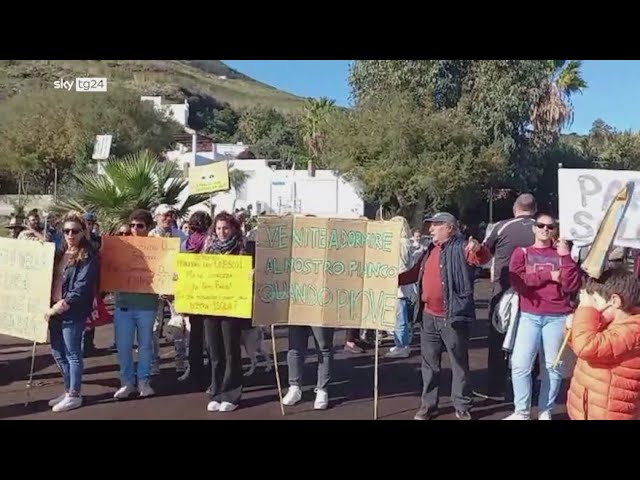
99, 314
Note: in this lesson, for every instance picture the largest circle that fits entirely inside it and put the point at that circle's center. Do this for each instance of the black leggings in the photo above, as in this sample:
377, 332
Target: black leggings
223, 336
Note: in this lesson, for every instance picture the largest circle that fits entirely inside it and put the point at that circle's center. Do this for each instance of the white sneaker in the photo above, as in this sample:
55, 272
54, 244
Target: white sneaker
57, 400
517, 416
546, 415
213, 406
398, 352
124, 392
144, 387
293, 396
228, 407
322, 399
68, 403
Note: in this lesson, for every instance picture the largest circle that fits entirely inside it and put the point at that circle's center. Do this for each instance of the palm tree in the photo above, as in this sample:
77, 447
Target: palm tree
314, 123
139, 180
554, 111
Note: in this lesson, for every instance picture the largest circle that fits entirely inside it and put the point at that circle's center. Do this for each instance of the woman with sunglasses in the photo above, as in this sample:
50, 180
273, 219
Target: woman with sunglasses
74, 286
133, 317
545, 277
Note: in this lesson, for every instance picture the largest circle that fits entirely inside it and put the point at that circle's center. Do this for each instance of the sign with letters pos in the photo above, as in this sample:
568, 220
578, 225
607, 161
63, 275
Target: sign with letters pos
326, 272
138, 264
209, 178
26, 275
213, 284
585, 195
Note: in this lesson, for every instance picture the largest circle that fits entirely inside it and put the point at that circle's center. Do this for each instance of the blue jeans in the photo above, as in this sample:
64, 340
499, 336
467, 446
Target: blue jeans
128, 324
66, 348
402, 332
533, 331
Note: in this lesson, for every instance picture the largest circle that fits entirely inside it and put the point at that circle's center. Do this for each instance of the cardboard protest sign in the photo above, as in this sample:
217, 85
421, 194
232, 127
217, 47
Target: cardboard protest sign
26, 275
596, 259
138, 264
584, 196
326, 272
209, 178
214, 285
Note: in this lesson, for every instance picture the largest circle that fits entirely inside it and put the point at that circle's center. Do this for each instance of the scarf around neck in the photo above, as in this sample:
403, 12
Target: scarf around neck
232, 245
195, 242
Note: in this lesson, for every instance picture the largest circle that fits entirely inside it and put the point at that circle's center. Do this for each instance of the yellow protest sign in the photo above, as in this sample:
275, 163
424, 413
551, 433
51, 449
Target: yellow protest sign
26, 274
213, 284
327, 272
209, 178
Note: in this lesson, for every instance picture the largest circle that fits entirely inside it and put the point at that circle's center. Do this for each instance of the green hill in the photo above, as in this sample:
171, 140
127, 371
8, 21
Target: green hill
201, 81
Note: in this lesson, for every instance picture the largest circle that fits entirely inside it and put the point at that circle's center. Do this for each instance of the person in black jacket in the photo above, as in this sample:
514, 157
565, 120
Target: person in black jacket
446, 308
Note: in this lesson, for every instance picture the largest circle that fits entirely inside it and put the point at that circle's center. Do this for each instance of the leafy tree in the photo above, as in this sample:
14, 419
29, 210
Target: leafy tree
553, 110
272, 135
315, 124
223, 124
53, 129
407, 158
138, 180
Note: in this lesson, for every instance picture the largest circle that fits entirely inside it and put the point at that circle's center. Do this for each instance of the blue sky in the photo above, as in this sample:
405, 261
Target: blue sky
613, 92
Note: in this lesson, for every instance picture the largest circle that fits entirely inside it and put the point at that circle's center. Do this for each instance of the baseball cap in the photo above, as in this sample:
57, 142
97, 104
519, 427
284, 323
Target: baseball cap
441, 217
163, 209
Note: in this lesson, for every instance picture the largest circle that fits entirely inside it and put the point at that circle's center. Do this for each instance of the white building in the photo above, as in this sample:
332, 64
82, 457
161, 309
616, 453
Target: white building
178, 111
279, 191
266, 189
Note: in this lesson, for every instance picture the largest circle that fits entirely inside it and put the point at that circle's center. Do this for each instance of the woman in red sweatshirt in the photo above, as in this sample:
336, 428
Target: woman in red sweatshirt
545, 277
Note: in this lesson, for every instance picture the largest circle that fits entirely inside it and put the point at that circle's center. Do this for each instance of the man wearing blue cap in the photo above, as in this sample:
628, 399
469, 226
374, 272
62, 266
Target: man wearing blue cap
445, 278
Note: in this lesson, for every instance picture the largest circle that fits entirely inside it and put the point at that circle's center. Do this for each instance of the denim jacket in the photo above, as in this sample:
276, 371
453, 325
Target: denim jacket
79, 282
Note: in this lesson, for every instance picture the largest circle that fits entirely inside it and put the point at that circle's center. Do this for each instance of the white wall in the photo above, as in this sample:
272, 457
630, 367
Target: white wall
178, 111
283, 191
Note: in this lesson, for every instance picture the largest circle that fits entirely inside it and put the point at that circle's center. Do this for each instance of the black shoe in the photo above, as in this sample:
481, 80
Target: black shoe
423, 414
463, 415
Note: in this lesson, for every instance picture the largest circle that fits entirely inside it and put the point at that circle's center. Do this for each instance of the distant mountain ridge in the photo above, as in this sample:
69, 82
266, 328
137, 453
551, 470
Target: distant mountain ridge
200, 81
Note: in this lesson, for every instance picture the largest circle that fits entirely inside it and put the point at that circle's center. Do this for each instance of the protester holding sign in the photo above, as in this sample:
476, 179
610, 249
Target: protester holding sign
446, 307
545, 278
198, 227
224, 334
165, 227
133, 317
74, 286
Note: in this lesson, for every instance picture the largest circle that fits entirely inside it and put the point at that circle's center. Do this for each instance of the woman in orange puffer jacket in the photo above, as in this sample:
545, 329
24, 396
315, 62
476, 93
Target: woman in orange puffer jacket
605, 337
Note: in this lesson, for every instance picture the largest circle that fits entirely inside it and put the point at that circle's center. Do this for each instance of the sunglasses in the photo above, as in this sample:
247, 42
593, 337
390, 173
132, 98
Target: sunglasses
71, 231
545, 226
139, 226
123, 234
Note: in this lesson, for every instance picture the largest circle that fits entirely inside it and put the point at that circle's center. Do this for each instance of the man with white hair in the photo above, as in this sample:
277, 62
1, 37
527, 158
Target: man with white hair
164, 215
445, 309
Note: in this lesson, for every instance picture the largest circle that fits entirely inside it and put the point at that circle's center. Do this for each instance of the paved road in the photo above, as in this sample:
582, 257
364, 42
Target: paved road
351, 389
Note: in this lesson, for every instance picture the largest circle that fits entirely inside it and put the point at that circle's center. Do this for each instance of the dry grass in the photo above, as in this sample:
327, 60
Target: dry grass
175, 79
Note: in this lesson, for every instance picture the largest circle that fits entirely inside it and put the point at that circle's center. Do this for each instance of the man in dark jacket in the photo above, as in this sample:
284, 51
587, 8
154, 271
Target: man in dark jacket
504, 238
445, 278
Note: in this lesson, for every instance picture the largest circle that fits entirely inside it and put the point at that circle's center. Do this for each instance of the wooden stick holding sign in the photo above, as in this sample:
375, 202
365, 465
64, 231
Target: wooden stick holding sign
596, 260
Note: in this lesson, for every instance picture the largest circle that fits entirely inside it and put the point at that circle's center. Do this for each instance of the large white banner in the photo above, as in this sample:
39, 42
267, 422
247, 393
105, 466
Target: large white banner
584, 196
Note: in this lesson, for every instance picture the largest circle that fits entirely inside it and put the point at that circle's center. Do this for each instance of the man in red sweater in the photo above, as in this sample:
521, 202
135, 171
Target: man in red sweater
445, 277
